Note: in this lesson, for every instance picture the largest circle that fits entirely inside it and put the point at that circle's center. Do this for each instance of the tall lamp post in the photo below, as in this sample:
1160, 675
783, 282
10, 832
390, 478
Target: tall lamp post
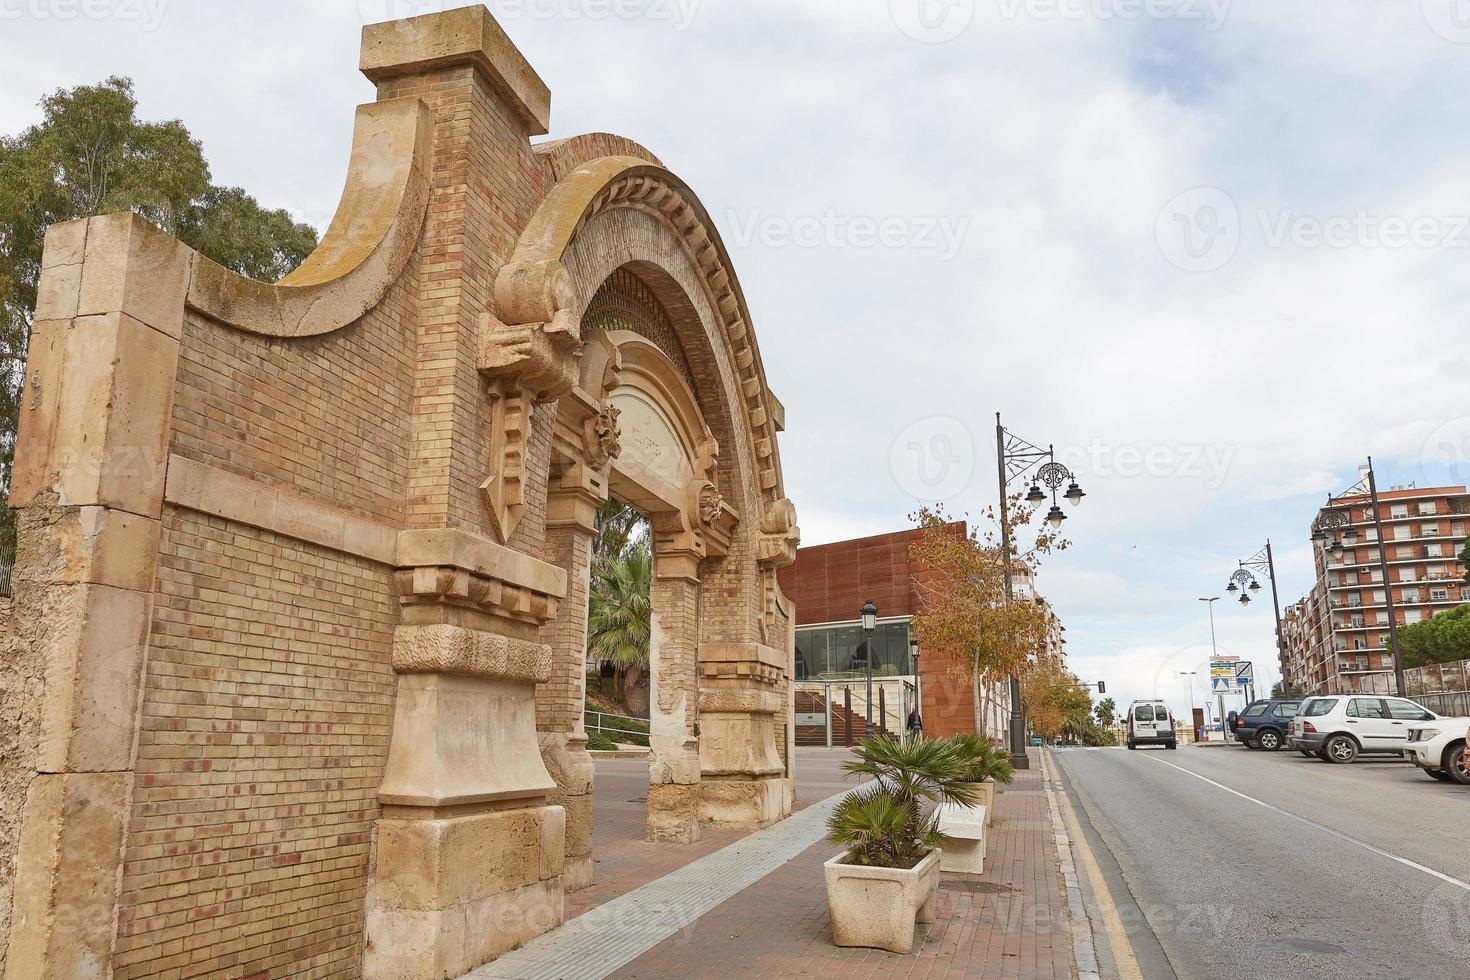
1214, 655
918, 683
870, 622
1244, 581
1334, 525
1014, 458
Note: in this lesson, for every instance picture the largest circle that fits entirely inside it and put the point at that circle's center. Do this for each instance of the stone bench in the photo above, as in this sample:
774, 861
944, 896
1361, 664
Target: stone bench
963, 828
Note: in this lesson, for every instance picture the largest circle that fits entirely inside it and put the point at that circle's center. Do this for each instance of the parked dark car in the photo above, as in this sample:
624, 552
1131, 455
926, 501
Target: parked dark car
1264, 724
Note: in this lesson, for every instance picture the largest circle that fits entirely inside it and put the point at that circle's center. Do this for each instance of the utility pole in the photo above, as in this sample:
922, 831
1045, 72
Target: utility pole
1214, 655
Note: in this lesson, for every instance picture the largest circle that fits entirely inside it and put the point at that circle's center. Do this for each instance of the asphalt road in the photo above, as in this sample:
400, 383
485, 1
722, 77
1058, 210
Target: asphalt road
1345, 871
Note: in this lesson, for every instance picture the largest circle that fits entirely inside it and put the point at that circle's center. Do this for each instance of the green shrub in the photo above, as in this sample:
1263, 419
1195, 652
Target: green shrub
983, 761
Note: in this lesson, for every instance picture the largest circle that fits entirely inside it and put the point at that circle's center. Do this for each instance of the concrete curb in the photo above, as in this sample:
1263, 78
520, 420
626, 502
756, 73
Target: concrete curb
1084, 949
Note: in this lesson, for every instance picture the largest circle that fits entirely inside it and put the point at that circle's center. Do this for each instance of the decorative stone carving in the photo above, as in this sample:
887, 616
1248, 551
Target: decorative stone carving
710, 503
779, 534
526, 362
600, 437
446, 649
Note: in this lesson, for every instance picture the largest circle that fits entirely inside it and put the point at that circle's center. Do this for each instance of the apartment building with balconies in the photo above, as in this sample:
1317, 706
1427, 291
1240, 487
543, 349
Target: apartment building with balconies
1340, 632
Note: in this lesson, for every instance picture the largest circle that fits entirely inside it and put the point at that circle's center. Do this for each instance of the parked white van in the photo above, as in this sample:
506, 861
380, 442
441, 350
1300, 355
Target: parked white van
1151, 723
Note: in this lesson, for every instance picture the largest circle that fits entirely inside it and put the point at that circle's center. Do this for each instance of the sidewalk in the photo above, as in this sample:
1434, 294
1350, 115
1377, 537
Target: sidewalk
755, 905
1007, 923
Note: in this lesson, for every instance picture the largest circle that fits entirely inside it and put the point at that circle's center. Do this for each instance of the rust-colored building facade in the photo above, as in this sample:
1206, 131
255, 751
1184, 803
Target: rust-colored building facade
829, 584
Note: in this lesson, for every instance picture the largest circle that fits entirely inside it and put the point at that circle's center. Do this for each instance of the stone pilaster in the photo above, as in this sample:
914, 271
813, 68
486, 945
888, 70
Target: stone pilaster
674, 732
89, 477
570, 528
469, 849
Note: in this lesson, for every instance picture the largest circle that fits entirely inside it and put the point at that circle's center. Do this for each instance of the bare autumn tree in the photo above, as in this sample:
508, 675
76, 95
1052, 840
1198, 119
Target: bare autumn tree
961, 581
1054, 697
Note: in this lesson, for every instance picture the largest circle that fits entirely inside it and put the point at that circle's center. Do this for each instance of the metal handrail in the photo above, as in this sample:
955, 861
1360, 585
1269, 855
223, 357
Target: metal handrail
601, 728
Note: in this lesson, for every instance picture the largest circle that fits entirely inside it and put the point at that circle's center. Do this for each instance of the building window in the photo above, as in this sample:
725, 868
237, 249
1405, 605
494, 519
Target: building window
1439, 594
1413, 616
841, 651
1406, 574
1402, 532
1404, 554
1434, 551
1426, 507
1408, 595
1429, 531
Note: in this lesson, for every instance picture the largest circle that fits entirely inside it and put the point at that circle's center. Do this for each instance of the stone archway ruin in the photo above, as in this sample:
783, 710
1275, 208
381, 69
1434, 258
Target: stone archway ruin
302, 586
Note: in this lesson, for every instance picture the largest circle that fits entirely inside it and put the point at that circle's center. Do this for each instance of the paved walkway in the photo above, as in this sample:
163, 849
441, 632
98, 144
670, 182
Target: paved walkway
756, 905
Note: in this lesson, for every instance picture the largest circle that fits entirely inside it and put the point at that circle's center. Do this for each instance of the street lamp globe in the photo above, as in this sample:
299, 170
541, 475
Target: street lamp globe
1074, 494
1245, 598
1255, 586
1232, 587
870, 617
1055, 516
1034, 495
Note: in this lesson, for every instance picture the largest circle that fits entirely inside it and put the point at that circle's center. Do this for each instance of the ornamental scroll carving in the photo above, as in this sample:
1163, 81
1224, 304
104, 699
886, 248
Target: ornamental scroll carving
526, 362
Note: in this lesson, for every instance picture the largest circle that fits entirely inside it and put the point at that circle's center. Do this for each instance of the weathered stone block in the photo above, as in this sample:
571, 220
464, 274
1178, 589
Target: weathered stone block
746, 804
70, 851
93, 652
131, 267
96, 415
459, 740
673, 813
103, 546
452, 893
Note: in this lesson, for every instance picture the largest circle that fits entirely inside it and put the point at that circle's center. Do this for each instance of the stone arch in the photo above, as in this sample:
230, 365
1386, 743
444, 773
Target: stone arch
722, 755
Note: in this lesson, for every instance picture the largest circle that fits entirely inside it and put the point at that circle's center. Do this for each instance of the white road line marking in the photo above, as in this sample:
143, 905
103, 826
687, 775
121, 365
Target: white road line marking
1326, 830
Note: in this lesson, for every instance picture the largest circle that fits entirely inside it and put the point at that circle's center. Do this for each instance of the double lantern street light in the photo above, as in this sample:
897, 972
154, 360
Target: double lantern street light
1014, 458
1244, 581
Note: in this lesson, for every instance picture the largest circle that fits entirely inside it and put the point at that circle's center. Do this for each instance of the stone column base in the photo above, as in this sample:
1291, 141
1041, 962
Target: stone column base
570, 765
452, 893
743, 803
673, 813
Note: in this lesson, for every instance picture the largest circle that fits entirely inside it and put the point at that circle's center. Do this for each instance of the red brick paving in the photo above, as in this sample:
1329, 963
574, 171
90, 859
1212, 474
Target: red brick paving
1007, 923
623, 860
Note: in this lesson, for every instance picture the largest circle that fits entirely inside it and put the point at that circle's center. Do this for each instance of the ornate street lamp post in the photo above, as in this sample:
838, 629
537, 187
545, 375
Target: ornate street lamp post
1014, 458
1244, 581
870, 622
1334, 525
918, 684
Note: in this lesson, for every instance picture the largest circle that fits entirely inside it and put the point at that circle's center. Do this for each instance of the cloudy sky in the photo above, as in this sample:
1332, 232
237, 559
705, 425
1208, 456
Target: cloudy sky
1216, 252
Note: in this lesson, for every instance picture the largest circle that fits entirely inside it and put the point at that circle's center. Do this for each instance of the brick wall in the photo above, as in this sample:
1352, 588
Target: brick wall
266, 718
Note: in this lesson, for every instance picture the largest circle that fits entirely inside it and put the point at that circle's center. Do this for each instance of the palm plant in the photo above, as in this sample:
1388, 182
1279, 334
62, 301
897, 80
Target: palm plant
619, 621
886, 825
983, 760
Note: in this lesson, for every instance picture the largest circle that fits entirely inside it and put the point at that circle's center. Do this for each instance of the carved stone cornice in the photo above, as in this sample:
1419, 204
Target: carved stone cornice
456, 568
442, 648
750, 662
737, 701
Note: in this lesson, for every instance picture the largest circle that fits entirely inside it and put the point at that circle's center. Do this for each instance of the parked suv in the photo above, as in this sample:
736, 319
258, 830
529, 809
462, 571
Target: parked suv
1264, 724
1339, 729
1439, 749
1150, 723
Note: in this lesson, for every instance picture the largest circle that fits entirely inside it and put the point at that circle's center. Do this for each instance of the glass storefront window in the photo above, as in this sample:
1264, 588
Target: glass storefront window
843, 651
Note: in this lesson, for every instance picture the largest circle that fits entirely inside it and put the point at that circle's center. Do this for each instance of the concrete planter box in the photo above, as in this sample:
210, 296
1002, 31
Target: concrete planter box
877, 907
963, 828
